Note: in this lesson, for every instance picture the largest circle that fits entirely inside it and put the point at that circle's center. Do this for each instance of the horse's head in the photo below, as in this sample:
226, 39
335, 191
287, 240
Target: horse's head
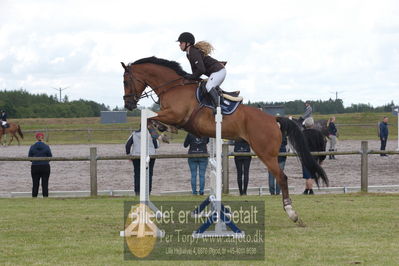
133, 88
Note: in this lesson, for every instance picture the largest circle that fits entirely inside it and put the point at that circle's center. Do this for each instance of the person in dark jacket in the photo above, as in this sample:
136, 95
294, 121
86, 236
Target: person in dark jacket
197, 145
3, 115
384, 134
40, 169
203, 64
3, 120
316, 142
133, 147
242, 164
274, 188
332, 135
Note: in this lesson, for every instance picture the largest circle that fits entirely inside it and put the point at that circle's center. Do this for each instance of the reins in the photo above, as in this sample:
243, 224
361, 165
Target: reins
154, 90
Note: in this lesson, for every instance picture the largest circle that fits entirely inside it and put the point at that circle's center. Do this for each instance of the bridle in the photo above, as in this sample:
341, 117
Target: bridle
153, 90
135, 98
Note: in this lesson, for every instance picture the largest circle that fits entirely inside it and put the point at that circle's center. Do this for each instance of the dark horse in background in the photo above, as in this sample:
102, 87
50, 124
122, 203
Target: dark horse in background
320, 125
11, 131
180, 108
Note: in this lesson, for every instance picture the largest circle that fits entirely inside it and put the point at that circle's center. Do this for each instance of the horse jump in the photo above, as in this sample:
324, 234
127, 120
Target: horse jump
179, 107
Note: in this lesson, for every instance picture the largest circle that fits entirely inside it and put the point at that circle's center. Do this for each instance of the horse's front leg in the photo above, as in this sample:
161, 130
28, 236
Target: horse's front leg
158, 125
169, 117
11, 139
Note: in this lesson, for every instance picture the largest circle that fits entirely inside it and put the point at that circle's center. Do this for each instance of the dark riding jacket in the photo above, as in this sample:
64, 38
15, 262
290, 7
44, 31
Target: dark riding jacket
197, 145
383, 130
332, 129
241, 146
3, 117
201, 63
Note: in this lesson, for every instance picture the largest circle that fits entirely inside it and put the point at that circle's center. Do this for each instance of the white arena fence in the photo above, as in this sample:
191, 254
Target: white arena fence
364, 153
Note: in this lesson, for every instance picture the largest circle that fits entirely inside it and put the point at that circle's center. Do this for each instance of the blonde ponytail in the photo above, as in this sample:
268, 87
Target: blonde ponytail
205, 47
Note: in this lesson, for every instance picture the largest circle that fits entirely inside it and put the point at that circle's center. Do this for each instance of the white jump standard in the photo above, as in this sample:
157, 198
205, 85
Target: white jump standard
141, 215
218, 215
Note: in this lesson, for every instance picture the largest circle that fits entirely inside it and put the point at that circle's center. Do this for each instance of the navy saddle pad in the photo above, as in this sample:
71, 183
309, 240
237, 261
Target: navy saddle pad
228, 107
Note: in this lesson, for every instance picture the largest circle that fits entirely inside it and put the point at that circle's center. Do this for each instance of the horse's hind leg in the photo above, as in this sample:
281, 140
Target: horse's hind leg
11, 139
282, 180
272, 164
17, 139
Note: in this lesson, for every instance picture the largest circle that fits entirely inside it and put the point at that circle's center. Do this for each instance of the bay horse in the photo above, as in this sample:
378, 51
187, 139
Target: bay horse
11, 131
179, 108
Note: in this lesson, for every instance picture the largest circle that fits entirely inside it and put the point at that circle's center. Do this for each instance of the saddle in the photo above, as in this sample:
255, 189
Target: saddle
229, 101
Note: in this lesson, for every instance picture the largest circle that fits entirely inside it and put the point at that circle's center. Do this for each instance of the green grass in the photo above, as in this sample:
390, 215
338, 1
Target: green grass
362, 132
341, 230
85, 136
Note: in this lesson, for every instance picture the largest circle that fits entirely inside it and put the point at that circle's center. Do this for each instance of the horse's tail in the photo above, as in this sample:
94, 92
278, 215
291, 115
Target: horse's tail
297, 139
20, 132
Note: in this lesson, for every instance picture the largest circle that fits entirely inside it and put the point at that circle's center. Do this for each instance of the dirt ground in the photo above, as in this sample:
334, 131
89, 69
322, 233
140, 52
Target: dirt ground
174, 175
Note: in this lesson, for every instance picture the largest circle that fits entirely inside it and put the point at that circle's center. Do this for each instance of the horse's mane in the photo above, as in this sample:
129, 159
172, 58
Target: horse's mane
162, 62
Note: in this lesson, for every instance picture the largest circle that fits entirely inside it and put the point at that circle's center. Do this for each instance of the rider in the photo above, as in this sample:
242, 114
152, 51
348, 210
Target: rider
3, 119
307, 113
202, 63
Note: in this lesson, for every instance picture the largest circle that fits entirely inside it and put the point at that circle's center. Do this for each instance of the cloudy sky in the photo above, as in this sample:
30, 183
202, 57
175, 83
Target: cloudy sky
276, 50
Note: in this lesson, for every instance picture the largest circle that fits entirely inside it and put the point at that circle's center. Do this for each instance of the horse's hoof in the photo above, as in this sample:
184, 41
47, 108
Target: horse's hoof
291, 213
300, 223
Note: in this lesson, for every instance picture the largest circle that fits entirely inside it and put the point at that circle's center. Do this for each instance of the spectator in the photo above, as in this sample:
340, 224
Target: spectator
315, 141
242, 165
133, 147
197, 145
384, 134
274, 188
332, 135
40, 169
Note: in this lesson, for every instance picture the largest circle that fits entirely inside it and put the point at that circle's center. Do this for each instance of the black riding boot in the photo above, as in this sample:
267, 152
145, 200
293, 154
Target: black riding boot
214, 96
330, 156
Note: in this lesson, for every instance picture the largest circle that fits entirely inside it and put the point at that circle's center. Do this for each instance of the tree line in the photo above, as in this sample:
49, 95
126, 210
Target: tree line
324, 107
22, 104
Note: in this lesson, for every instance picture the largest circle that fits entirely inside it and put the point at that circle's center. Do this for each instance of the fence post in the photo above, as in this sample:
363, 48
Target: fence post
47, 136
364, 166
88, 135
93, 171
225, 168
